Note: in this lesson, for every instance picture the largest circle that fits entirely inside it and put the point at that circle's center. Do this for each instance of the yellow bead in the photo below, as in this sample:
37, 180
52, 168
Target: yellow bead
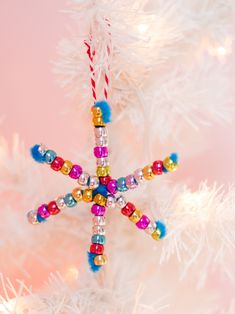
66, 168
169, 164
96, 111
100, 200
87, 195
135, 216
148, 172
156, 234
103, 171
77, 194
100, 260
98, 121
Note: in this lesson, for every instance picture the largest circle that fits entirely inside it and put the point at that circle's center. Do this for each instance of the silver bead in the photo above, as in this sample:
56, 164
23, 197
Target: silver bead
94, 182
60, 202
102, 162
98, 230
101, 141
100, 131
83, 179
32, 217
151, 227
111, 202
42, 149
121, 201
139, 176
99, 221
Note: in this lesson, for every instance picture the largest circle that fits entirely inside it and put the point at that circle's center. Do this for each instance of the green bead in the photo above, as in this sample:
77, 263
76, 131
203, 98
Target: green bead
69, 200
98, 238
50, 156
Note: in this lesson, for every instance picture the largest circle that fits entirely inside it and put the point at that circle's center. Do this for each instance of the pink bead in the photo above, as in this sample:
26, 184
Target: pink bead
100, 152
143, 222
43, 212
112, 186
130, 182
97, 210
157, 167
75, 172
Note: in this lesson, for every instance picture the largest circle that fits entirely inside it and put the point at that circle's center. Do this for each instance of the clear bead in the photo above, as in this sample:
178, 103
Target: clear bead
121, 201
32, 217
83, 179
111, 202
60, 202
150, 229
139, 175
99, 221
102, 162
94, 182
98, 230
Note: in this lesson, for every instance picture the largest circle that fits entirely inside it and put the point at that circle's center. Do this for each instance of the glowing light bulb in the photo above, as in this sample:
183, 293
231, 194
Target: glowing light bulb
72, 273
221, 51
142, 28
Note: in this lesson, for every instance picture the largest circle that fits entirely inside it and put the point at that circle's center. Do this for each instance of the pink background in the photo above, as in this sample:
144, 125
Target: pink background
33, 105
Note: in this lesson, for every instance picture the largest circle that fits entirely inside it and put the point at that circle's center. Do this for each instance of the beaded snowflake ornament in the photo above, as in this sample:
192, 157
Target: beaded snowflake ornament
101, 190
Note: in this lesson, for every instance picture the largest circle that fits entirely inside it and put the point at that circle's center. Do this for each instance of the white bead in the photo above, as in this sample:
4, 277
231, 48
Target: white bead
83, 179
98, 230
100, 131
102, 162
139, 176
121, 201
94, 182
151, 227
99, 221
101, 141
60, 202
32, 217
42, 149
111, 202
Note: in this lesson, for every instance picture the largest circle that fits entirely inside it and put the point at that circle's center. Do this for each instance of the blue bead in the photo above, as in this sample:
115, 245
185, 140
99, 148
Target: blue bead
50, 156
174, 157
102, 189
98, 238
69, 200
121, 185
36, 154
40, 219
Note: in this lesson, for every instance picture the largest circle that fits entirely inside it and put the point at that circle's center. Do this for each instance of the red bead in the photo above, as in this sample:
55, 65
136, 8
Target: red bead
97, 248
128, 209
52, 208
57, 164
157, 167
105, 180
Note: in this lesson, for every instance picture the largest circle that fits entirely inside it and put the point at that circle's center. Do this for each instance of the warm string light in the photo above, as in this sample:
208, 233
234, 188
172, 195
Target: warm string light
221, 51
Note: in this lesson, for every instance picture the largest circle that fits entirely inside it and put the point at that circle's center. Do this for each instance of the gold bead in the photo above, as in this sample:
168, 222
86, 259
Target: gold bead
156, 234
103, 171
66, 168
148, 172
100, 199
135, 216
87, 195
98, 121
77, 194
100, 260
96, 111
169, 164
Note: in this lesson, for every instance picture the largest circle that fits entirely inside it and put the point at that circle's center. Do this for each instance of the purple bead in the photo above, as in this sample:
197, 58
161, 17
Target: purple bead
43, 212
75, 172
112, 186
143, 222
97, 210
100, 152
130, 182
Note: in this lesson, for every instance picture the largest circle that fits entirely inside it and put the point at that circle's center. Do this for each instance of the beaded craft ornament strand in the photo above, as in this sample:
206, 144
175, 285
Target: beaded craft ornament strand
101, 190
